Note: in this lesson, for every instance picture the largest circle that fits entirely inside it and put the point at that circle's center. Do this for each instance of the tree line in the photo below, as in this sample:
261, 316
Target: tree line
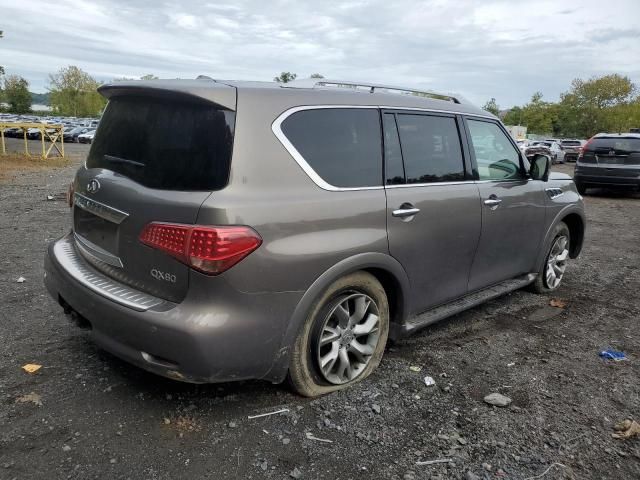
609, 103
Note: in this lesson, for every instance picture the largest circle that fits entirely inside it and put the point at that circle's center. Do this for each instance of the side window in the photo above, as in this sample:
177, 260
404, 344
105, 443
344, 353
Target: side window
392, 153
430, 148
342, 145
496, 157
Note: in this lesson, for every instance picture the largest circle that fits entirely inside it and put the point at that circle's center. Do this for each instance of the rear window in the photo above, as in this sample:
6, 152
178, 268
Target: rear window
165, 144
342, 145
571, 143
620, 144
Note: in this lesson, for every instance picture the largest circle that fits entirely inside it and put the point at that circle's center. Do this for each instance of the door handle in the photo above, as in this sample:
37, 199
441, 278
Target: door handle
493, 202
405, 210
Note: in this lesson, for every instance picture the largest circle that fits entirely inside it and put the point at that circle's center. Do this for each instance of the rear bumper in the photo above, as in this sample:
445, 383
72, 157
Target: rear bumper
628, 180
216, 334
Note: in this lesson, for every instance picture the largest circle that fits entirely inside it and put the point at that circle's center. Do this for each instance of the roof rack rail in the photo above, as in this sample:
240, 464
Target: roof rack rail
371, 88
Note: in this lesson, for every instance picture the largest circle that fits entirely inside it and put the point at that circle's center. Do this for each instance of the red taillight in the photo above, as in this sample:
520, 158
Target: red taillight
584, 147
211, 250
70, 193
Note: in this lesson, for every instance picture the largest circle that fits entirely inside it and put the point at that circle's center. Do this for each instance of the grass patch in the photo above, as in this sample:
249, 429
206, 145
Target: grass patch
14, 163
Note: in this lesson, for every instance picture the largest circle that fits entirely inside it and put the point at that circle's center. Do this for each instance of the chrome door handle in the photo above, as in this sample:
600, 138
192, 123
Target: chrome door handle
405, 212
492, 202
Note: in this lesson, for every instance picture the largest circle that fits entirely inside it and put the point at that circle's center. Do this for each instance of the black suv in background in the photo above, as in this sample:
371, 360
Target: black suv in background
609, 160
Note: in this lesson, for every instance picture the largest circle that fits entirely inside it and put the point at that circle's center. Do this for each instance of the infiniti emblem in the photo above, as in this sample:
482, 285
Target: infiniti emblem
93, 186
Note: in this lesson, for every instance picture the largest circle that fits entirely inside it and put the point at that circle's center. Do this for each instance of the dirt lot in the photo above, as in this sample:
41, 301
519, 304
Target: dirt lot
102, 418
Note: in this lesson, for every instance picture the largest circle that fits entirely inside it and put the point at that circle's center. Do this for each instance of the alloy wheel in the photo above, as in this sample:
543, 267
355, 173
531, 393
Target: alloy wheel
557, 262
348, 338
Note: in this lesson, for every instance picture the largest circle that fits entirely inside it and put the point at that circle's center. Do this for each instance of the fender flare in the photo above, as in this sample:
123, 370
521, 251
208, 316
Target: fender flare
546, 244
361, 261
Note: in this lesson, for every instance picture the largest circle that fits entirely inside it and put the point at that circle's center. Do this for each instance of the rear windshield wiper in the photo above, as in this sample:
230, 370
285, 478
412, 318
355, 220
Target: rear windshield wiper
112, 159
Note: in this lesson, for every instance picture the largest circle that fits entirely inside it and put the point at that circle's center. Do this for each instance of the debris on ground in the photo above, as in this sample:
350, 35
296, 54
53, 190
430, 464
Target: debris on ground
626, 429
283, 410
295, 473
310, 436
21, 280
554, 464
50, 197
497, 399
433, 462
415, 368
30, 398
558, 303
31, 367
376, 408
611, 354
429, 381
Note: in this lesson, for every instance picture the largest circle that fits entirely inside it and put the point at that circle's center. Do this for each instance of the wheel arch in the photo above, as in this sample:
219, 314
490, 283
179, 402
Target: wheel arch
386, 269
573, 217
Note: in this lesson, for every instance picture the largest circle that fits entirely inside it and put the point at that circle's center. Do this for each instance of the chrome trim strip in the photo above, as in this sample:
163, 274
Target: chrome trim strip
69, 259
276, 128
94, 251
100, 209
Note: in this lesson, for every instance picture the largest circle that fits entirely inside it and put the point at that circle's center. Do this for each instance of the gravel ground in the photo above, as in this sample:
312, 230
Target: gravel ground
94, 416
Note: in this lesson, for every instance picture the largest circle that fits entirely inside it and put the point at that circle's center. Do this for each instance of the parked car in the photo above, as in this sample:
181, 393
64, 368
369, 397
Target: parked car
72, 135
86, 137
571, 149
557, 154
609, 160
235, 230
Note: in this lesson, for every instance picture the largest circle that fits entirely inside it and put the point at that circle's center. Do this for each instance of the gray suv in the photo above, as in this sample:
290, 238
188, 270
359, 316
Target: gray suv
230, 230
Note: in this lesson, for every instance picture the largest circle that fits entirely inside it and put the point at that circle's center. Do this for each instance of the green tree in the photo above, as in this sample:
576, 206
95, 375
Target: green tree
1, 67
74, 92
492, 107
148, 76
285, 77
513, 116
316, 75
16, 94
599, 104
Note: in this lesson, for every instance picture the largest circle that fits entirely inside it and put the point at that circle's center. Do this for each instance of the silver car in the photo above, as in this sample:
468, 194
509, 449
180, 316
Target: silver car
230, 230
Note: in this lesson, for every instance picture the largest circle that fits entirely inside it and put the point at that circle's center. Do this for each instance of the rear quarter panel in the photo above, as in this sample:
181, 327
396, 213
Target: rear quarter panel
305, 229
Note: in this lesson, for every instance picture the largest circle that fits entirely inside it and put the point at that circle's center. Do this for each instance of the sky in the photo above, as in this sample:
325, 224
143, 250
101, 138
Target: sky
506, 49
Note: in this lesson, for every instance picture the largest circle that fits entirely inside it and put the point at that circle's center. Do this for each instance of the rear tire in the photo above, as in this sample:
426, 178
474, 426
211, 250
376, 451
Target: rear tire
341, 342
552, 270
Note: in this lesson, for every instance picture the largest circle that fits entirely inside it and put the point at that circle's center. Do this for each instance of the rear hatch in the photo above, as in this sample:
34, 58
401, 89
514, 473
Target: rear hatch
617, 151
571, 146
157, 155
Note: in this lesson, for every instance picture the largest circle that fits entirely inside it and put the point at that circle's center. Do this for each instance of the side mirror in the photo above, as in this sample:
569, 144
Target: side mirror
540, 166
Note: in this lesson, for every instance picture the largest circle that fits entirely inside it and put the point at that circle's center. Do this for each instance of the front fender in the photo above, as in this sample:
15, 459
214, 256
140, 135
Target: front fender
571, 209
362, 261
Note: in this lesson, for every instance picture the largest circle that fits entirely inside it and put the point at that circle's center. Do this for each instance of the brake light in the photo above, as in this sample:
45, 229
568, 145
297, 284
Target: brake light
584, 147
70, 193
211, 250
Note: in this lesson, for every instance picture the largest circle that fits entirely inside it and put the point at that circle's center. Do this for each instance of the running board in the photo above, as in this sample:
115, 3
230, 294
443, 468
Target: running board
448, 309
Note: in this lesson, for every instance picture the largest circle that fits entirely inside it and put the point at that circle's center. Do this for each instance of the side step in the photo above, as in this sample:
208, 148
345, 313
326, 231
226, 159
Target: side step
461, 304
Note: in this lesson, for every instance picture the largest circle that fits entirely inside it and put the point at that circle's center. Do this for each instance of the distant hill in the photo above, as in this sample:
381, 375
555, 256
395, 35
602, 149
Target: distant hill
40, 98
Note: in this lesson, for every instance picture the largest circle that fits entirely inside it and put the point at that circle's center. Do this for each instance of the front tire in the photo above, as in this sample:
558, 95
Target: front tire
343, 338
554, 265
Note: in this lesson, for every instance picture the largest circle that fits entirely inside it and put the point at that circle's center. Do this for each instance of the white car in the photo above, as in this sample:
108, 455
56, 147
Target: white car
557, 153
86, 137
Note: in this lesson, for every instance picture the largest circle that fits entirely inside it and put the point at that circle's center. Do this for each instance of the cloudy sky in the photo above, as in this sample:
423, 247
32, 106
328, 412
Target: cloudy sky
505, 49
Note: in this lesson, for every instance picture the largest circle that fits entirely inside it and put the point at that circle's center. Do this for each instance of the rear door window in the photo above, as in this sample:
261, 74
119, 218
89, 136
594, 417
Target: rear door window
496, 156
342, 145
431, 148
165, 144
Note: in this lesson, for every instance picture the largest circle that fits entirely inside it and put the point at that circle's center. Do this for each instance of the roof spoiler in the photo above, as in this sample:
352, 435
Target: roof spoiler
201, 89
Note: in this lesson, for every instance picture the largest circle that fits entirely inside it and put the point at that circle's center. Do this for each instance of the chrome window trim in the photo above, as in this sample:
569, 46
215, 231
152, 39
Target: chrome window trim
276, 128
94, 251
99, 209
